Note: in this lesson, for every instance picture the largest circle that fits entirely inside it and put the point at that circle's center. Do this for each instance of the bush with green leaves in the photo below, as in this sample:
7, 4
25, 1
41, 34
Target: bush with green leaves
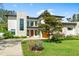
8, 34
57, 37
71, 38
20, 36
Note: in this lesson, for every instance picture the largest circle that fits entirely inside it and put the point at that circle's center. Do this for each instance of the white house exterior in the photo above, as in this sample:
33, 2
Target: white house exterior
70, 28
14, 22
22, 25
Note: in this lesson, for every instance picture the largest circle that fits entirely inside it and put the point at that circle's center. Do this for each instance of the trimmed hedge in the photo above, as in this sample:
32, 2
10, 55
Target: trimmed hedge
20, 36
71, 38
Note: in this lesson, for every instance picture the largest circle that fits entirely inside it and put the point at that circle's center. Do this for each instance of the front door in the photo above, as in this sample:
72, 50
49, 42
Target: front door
32, 33
45, 35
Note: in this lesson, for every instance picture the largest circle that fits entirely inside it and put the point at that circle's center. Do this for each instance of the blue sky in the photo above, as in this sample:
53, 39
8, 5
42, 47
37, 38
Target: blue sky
34, 9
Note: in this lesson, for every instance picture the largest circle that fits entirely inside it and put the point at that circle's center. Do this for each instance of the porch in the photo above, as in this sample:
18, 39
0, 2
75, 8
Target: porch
35, 33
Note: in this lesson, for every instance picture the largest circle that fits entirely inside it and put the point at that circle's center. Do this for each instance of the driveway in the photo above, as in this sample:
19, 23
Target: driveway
10, 48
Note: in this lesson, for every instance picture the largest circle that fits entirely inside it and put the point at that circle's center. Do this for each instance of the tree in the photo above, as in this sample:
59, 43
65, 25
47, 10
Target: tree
52, 24
3, 18
75, 17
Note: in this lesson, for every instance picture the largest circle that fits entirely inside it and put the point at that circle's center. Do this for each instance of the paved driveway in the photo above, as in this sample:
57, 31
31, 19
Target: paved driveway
10, 48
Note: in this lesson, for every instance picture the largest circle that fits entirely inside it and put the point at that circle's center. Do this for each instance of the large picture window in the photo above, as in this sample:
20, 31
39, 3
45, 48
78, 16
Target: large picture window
21, 24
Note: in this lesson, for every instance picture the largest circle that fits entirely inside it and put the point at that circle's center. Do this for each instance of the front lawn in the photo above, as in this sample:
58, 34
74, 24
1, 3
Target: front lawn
66, 48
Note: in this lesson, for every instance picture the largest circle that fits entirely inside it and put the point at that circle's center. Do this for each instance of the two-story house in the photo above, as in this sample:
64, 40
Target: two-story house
22, 25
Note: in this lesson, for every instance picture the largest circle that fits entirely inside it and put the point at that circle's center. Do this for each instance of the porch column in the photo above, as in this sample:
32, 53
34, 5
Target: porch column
33, 23
29, 32
40, 34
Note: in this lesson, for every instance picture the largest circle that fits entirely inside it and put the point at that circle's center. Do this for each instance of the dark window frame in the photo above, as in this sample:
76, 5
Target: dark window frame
13, 31
28, 32
21, 24
28, 23
70, 28
31, 23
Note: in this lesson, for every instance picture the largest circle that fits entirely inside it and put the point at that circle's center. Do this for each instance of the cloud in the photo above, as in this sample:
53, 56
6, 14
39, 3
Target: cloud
49, 10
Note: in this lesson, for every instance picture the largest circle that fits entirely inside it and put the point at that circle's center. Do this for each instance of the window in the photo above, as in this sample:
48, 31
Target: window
21, 24
35, 23
70, 28
13, 31
36, 32
27, 23
31, 23
27, 32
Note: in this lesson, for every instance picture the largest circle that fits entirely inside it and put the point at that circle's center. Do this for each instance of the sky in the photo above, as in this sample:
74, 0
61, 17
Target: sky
35, 9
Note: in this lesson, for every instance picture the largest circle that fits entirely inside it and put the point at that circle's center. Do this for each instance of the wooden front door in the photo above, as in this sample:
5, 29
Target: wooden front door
45, 35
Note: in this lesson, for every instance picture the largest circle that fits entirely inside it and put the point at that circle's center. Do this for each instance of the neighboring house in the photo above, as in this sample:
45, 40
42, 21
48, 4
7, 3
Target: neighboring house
22, 25
70, 28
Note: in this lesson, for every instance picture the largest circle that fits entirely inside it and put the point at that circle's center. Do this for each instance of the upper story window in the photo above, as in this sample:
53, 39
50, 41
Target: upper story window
27, 23
36, 23
21, 24
31, 23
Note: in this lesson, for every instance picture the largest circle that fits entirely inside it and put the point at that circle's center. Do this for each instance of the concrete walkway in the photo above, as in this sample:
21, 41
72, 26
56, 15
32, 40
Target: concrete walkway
10, 48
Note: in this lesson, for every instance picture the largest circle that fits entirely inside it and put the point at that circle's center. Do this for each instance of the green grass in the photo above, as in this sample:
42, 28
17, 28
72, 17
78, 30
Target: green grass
66, 48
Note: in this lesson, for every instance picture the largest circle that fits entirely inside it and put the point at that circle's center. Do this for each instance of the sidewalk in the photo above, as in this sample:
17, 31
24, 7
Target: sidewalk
11, 49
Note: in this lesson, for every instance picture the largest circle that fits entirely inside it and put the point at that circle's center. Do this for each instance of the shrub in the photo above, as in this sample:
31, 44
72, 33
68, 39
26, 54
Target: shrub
20, 36
7, 35
71, 38
56, 38
1, 36
35, 45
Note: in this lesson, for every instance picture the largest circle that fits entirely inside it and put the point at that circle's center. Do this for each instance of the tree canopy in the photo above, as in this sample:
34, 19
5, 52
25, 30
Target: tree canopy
3, 18
52, 23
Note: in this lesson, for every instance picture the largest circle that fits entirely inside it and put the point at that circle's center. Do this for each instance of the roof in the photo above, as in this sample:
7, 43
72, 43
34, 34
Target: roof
69, 23
54, 16
10, 15
32, 17
58, 16
40, 16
